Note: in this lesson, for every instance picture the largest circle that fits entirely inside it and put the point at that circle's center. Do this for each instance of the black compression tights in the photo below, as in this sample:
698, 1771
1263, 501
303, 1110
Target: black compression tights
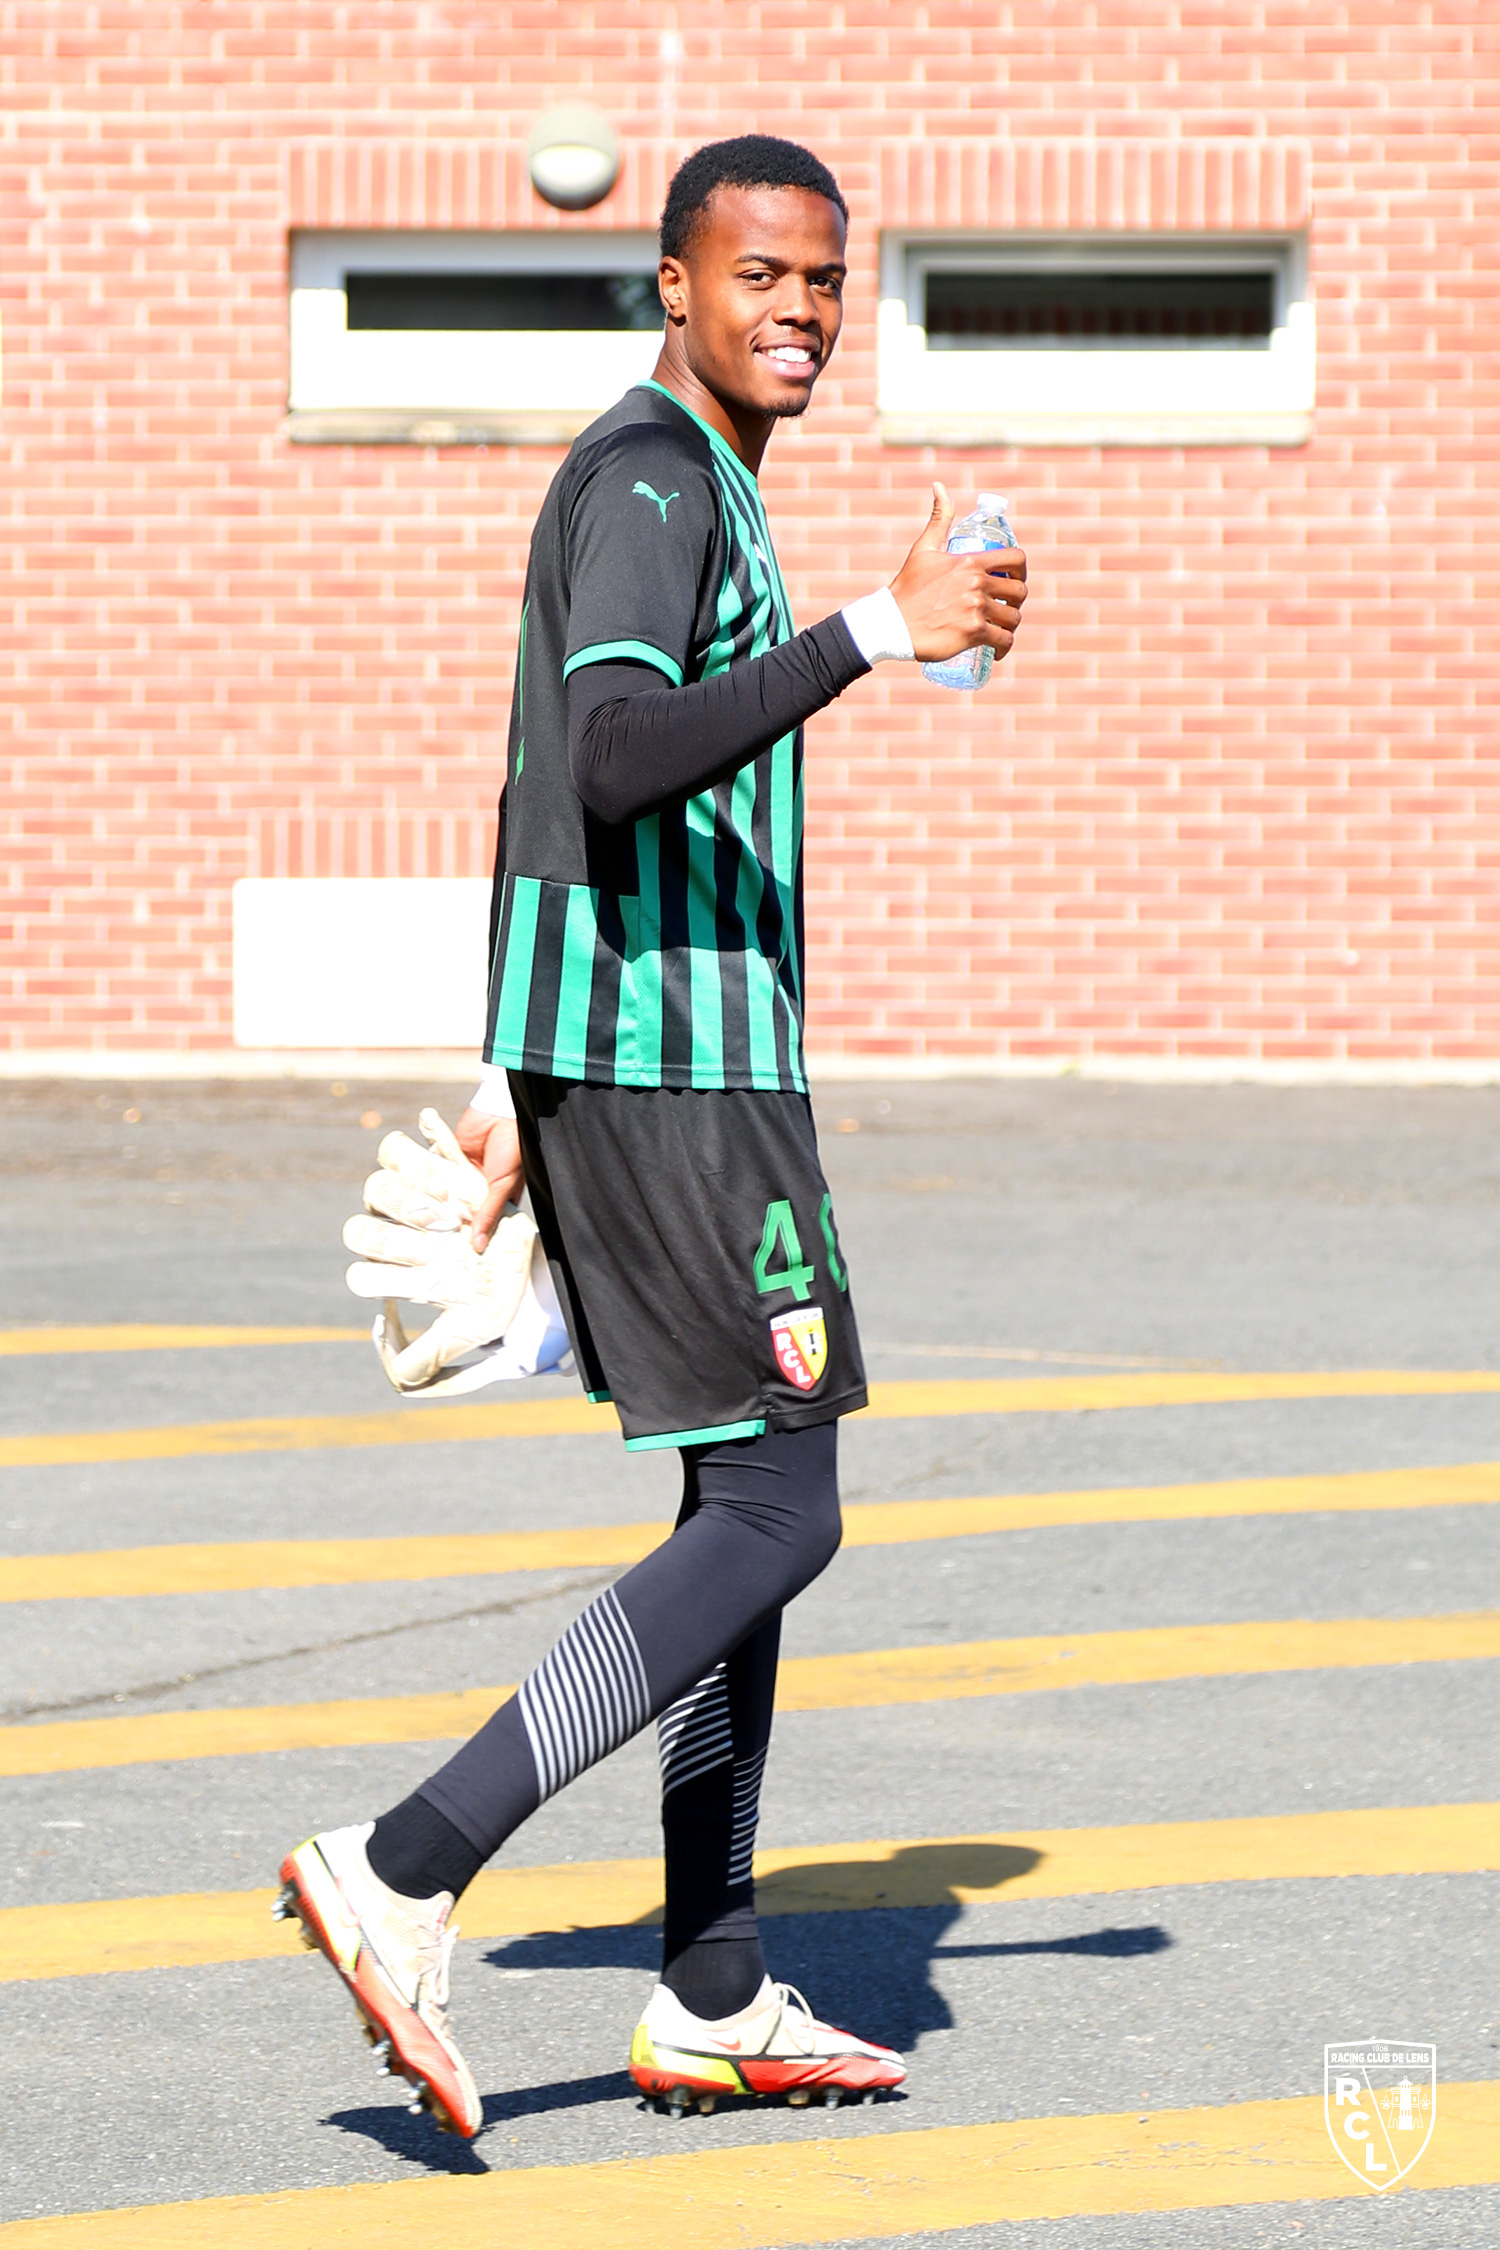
690, 1636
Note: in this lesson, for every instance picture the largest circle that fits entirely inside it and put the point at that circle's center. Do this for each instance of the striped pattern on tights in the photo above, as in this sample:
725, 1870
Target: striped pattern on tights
747, 1775
693, 1734
586, 1697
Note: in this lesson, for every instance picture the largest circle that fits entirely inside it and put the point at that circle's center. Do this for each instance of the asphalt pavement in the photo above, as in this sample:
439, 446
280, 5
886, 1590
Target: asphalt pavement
1042, 1233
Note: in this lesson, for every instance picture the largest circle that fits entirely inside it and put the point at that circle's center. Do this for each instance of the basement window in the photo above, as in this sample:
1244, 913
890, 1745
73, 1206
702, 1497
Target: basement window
501, 302
1095, 341
460, 338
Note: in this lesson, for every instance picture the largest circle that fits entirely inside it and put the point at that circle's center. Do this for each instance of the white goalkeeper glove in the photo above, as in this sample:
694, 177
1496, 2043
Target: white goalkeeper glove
414, 1241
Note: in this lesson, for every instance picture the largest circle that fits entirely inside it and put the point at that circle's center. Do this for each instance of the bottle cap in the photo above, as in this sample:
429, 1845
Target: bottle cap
992, 504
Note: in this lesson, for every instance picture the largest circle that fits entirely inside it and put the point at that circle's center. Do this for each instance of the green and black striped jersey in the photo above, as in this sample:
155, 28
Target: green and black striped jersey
665, 951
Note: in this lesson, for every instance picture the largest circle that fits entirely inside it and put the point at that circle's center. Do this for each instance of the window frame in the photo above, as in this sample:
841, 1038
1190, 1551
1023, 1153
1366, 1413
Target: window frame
1177, 395
453, 386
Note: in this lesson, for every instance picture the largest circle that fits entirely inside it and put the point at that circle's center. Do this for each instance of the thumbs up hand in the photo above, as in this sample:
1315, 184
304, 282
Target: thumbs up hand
954, 602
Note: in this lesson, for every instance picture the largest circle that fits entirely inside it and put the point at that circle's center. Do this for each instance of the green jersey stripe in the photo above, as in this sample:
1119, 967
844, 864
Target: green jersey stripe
752, 509
793, 1039
782, 861
721, 649
603, 652
570, 1041
794, 950
705, 982
519, 943
747, 888
521, 692
760, 976
639, 1032
766, 620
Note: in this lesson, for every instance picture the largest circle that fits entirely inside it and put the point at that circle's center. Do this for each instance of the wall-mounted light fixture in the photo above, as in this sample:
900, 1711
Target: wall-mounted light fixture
573, 157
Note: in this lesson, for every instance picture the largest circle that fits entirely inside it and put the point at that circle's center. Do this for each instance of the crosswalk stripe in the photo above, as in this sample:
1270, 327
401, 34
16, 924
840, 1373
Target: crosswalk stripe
862, 2185
564, 1417
256, 1565
394, 1425
98, 1937
143, 1336
862, 1679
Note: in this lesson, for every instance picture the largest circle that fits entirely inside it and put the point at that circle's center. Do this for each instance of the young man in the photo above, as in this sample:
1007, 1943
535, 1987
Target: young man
646, 1022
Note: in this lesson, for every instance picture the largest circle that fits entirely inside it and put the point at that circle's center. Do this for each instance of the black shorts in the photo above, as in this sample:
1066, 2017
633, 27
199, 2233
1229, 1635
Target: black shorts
692, 1241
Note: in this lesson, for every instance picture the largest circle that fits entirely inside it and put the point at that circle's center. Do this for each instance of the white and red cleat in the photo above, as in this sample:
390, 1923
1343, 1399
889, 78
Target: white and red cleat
394, 1954
774, 2046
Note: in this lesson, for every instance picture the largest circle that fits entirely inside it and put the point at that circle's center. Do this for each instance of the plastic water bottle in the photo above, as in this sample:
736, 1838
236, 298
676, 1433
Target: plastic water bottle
975, 534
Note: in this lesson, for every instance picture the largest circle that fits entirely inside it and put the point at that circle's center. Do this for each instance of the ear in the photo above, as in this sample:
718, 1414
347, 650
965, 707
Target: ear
672, 284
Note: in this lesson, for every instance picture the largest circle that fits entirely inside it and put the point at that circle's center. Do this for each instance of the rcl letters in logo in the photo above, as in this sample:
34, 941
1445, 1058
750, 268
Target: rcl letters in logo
800, 1342
1380, 2103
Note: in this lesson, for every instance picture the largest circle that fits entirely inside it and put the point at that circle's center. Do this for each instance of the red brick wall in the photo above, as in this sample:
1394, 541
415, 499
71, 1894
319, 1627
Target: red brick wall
1229, 797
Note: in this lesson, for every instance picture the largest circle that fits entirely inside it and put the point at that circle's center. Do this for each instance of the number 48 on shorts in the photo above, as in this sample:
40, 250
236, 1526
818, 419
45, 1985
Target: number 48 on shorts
779, 1238
799, 1338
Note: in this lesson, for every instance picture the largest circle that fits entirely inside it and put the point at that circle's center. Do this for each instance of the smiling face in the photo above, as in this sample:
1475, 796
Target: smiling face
755, 304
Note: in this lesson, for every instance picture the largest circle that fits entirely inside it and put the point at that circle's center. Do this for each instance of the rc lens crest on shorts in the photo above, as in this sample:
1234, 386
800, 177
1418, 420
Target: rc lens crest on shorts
800, 1342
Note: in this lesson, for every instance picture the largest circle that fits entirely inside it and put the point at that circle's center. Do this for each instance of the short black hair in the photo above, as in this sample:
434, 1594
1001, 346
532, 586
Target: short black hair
752, 160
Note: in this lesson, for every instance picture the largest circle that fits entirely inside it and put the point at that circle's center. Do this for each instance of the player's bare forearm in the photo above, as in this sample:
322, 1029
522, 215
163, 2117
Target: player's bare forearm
494, 1144
954, 602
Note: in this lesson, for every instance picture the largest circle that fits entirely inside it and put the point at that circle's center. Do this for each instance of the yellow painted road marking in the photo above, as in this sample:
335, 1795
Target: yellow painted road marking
166, 1737
106, 1936
538, 1417
256, 1565
139, 1336
103, 1936
565, 1417
862, 2186
961, 1669
946, 1673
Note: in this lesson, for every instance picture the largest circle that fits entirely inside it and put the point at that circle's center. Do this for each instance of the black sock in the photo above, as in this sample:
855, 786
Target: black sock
419, 1852
716, 1978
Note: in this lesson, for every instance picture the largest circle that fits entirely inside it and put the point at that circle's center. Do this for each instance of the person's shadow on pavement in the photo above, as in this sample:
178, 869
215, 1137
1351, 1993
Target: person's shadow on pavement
864, 1935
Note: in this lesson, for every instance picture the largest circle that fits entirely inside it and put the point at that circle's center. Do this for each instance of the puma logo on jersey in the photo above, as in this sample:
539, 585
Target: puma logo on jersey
647, 494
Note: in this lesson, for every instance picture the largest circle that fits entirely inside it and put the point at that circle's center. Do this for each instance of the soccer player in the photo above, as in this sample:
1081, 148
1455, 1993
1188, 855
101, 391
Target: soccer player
646, 1078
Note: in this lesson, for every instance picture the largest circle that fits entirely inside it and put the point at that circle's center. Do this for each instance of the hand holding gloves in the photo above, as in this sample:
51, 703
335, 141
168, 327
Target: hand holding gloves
413, 1241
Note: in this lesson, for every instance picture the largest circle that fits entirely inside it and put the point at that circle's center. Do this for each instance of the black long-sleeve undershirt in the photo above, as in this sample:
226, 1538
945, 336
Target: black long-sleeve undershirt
633, 744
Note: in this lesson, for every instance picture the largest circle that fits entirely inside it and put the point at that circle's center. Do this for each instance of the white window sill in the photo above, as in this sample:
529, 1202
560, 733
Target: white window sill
368, 386
992, 429
365, 425
1055, 395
